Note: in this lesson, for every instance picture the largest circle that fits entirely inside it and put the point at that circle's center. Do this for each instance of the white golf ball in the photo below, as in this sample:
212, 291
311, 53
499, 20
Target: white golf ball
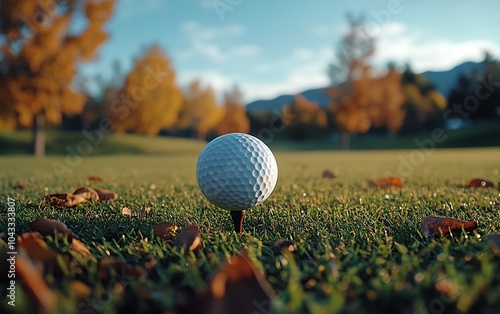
236, 171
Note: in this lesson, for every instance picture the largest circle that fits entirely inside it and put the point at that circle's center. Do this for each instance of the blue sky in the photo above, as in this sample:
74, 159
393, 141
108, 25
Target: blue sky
274, 47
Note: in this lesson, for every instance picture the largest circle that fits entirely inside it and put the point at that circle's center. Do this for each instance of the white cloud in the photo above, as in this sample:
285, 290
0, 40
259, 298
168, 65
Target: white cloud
203, 41
395, 43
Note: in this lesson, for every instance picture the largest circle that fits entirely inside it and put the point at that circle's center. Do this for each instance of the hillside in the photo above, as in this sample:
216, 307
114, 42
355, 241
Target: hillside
443, 80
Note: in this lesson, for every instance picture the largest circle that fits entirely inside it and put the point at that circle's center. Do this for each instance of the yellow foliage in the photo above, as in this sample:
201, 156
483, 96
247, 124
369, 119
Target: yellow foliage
303, 111
235, 118
200, 110
41, 56
149, 100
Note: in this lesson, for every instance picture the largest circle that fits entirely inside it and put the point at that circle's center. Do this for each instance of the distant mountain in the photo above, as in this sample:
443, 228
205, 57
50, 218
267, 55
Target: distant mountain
443, 80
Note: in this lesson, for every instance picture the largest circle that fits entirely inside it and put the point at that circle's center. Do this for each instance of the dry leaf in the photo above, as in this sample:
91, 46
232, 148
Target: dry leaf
386, 182
36, 248
240, 287
79, 289
20, 185
480, 183
165, 230
189, 238
88, 193
106, 195
58, 199
48, 227
35, 283
94, 179
434, 226
135, 213
126, 211
327, 174
282, 244
78, 247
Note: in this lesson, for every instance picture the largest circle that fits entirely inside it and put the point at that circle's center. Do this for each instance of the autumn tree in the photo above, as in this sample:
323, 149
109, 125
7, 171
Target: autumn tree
353, 54
149, 99
235, 118
40, 57
304, 118
363, 100
200, 111
423, 103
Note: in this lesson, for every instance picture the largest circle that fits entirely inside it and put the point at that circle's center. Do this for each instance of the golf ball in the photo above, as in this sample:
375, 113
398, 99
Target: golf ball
236, 171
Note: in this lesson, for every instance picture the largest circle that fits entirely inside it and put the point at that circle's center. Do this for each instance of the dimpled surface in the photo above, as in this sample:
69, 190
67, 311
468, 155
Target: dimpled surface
236, 171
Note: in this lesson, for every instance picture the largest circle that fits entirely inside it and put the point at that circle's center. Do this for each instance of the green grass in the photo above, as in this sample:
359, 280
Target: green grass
381, 264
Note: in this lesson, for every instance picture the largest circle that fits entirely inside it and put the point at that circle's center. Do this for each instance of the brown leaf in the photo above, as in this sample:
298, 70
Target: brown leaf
106, 195
35, 283
79, 289
327, 174
94, 179
480, 183
165, 230
386, 182
238, 287
36, 248
78, 247
20, 185
135, 212
282, 244
88, 193
58, 199
48, 227
189, 238
434, 226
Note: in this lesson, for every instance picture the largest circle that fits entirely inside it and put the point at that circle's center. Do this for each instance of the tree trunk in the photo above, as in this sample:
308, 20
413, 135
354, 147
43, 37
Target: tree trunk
346, 140
39, 135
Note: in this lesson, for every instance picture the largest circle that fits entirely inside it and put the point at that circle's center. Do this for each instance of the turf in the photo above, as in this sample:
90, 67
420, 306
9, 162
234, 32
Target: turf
358, 249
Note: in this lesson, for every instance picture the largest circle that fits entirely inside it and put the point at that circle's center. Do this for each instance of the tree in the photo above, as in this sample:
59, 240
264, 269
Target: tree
363, 100
200, 111
477, 93
304, 119
40, 56
353, 53
423, 103
149, 99
235, 118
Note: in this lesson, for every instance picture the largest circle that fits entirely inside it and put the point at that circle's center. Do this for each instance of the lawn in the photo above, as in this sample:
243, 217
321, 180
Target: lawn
358, 249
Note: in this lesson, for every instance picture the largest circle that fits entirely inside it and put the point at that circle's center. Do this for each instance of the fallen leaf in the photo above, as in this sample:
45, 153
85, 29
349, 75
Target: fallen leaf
35, 283
78, 247
79, 289
106, 195
434, 226
36, 247
282, 244
327, 174
189, 238
94, 179
239, 286
135, 212
20, 185
58, 199
48, 227
165, 230
480, 183
88, 193
386, 182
